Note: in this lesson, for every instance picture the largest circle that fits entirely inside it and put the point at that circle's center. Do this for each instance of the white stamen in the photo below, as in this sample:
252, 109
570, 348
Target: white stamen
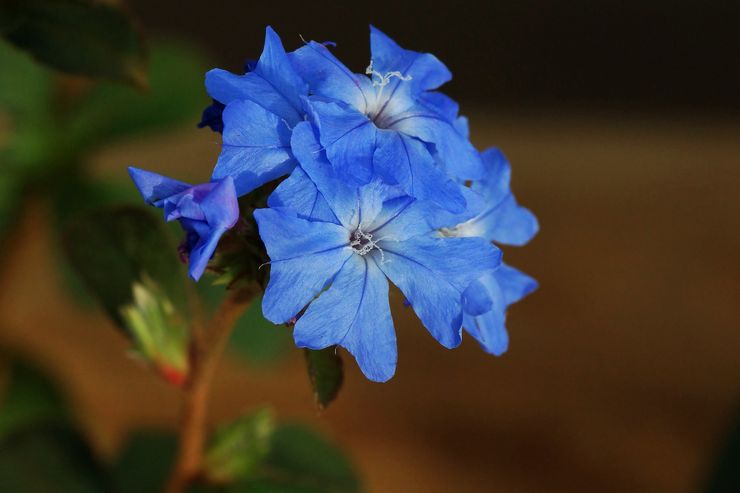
362, 243
384, 79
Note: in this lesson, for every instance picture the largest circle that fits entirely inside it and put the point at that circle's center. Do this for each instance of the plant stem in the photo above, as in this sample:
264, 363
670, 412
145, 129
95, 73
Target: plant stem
207, 352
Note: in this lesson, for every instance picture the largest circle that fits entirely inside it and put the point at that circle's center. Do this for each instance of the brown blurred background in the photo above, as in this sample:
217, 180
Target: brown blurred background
623, 374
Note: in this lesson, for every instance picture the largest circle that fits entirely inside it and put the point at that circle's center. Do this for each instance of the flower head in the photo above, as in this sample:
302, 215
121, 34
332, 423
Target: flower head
204, 211
327, 238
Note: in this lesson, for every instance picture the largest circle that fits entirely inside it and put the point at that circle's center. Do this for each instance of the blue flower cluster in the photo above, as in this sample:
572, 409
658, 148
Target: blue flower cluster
381, 183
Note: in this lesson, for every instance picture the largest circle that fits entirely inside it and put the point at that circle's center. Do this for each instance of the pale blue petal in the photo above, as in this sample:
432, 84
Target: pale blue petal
489, 330
507, 223
475, 299
425, 70
221, 207
256, 147
155, 188
401, 218
354, 313
407, 161
328, 77
433, 273
439, 217
304, 256
273, 84
299, 194
202, 252
349, 139
442, 104
514, 284
494, 186
458, 155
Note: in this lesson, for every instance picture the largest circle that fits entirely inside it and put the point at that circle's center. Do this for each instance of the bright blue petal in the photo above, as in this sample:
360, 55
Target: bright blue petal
489, 330
438, 217
328, 77
400, 219
202, 252
476, 299
457, 154
425, 70
273, 84
155, 188
256, 147
299, 194
407, 161
509, 224
433, 273
349, 139
354, 313
304, 255
220, 206
494, 186
514, 284
442, 104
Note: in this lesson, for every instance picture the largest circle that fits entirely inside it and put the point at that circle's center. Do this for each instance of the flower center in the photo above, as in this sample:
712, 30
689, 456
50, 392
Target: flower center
380, 80
362, 243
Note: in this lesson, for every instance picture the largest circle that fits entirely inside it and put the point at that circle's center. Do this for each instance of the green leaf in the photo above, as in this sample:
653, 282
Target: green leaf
84, 37
237, 449
124, 256
144, 464
258, 340
10, 200
49, 459
302, 461
25, 87
29, 399
326, 374
176, 96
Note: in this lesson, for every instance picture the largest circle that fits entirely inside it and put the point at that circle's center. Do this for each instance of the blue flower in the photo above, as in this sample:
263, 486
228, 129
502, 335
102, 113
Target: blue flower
205, 211
389, 123
503, 221
342, 243
262, 106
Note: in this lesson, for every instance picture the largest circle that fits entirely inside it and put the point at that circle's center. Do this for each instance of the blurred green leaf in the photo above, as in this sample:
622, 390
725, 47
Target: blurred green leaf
124, 256
29, 398
85, 37
302, 461
53, 458
10, 200
175, 96
258, 340
25, 87
326, 374
237, 449
145, 462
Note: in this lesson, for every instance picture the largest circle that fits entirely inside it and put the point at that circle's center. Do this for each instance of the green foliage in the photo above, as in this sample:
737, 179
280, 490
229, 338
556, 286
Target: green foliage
85, 37
326, 374
29, 399
25, 87
145, 462
237, 449
47, 459
302, 461
258, 340
111, 112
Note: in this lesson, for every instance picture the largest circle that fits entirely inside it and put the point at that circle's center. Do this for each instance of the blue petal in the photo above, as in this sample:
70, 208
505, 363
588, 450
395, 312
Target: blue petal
441, 103
489, 330
155, 188
304, 256
212, 117
407, 161
510, 224
273, 84
476, 299
494, 185
400, 219
328, 77
354, 313
514, 284
299, 194
256, 147
433, 273
349, 139
202, 252
457, 154
425, 70
439, 217
220, 206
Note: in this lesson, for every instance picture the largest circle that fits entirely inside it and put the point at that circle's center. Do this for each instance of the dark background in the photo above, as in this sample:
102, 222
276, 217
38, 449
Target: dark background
655, 55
